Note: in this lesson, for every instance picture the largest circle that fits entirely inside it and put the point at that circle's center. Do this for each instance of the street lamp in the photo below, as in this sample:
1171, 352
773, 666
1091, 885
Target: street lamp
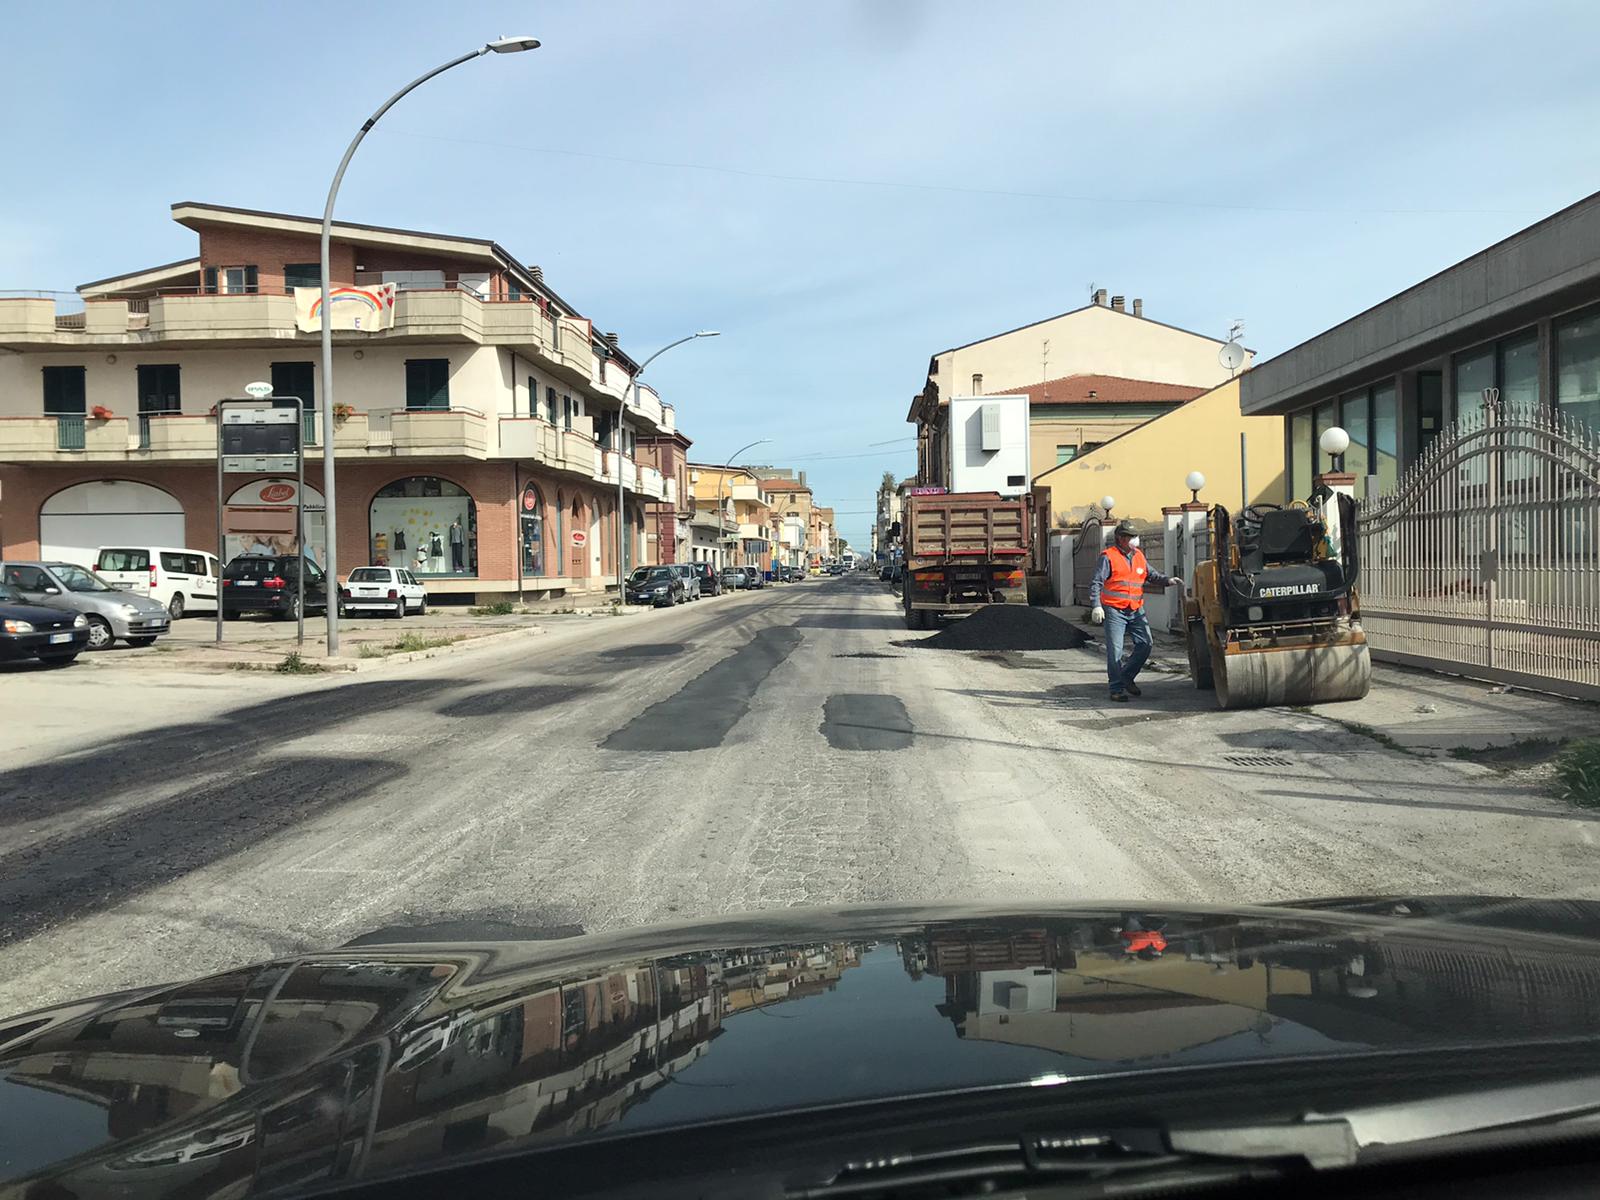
1194, 481
723, 478
510, 45
1334, 442
622, 567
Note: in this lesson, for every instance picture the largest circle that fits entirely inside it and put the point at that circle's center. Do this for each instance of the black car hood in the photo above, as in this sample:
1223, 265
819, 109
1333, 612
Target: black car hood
36, 614
379, 1058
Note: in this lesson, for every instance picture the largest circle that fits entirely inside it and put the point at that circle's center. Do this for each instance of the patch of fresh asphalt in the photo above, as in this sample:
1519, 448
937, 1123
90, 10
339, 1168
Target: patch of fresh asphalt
866, 722
704, 711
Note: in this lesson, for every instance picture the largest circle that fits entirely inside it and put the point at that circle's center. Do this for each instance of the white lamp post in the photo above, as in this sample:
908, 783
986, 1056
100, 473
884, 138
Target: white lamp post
723, 479
1194, 481
622, 567
511, 45
1334, 442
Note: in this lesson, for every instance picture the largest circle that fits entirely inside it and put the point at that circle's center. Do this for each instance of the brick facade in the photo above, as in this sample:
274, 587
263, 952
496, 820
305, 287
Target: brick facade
494, 487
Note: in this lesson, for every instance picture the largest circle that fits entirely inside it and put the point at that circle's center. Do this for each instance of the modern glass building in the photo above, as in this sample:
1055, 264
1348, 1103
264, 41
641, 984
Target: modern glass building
1522, 316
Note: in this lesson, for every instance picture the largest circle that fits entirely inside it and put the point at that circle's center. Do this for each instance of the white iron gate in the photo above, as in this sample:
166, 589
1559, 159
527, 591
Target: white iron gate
1485, 559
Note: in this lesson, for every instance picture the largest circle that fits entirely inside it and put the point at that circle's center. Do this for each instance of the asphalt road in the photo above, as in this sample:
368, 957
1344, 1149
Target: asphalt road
788, 747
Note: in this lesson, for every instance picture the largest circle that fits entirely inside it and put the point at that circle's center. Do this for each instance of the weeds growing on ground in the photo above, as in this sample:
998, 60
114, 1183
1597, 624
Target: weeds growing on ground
405, 644
293, 664
1578, 773
500, 608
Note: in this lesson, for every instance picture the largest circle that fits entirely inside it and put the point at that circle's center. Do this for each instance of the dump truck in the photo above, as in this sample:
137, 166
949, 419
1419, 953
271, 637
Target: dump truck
965, 550
1275, 617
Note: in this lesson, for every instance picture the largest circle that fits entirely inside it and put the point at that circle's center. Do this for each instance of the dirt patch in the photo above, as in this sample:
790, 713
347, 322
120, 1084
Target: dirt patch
648, 650
1007, 627
866, 654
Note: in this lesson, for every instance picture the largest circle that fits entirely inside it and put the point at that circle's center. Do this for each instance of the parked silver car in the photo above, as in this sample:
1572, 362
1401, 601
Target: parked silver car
112, 614
691, 579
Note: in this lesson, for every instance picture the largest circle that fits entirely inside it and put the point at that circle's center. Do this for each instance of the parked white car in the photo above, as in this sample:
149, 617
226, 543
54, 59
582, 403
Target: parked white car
180, 580
383, 589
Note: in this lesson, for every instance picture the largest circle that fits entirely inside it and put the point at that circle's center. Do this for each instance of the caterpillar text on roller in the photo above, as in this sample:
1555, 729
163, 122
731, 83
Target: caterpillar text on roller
1275, 617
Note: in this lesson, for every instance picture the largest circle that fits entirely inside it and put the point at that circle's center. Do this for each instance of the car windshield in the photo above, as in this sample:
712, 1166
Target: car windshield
1184, 419
77, 579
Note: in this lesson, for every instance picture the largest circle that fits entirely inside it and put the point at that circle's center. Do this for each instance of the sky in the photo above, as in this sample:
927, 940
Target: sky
842, 187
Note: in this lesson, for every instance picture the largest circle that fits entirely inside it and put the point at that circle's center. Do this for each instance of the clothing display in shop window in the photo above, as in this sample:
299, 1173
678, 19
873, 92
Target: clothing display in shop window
399, 539
435, 546
458, 547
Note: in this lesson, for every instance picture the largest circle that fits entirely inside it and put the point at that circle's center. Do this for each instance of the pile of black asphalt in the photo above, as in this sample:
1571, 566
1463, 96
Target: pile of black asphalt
1007, 627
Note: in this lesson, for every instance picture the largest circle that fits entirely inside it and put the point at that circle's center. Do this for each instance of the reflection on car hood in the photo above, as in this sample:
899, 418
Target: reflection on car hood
390, 1057
36, 614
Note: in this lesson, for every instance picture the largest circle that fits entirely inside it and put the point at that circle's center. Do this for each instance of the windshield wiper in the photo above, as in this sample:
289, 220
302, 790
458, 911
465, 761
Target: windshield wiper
1214, 1153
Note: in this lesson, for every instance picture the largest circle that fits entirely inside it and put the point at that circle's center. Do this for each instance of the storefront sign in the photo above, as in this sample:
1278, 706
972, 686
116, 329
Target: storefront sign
276, 493
579, 537
926, 491
530, 499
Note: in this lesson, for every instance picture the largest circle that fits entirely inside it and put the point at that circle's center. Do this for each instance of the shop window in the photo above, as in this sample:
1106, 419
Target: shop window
530, 513
64, 391
426, 525
427, 383
1302, 458
1474, 373
1578, 369
1355, 419
1385, 437
1430, 408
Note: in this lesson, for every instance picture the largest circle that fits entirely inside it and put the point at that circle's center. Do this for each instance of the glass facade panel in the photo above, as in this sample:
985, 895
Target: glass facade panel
1385, 437
1474, 372
1519, 371
1357, 459
1578, 369
1301, 456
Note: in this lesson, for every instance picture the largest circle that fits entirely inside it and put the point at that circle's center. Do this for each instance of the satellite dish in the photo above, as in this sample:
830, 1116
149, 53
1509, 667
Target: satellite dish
1231, 355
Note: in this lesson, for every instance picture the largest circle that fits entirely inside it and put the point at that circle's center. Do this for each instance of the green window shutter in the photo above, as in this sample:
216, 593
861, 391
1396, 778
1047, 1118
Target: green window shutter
428, 383
211, 281
64, 391
252, 279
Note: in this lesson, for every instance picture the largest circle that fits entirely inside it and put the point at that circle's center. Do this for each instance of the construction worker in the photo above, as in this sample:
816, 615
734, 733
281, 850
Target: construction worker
1116, 598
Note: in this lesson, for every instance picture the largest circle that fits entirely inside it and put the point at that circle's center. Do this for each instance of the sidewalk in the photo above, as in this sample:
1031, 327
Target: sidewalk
365, 643
1425, 713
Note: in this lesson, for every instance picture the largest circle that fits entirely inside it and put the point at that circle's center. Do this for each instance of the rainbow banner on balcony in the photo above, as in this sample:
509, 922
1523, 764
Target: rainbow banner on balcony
368, 307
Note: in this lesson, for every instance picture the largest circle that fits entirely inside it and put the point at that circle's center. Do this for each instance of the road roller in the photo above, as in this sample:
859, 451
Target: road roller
1275, 617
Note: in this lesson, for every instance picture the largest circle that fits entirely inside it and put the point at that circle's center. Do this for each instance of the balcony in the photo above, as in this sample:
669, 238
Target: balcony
438, 432
63, 438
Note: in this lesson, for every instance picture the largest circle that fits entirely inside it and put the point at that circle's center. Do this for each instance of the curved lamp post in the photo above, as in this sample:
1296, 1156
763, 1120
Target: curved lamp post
723, 479
511, 45
622, 567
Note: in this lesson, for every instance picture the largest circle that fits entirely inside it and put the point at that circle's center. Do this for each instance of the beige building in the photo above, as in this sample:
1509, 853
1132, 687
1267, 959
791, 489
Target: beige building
747, 519
1144, 469
476, 432
1101, 339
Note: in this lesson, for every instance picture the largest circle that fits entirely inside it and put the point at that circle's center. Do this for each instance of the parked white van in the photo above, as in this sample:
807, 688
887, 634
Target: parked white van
183, 580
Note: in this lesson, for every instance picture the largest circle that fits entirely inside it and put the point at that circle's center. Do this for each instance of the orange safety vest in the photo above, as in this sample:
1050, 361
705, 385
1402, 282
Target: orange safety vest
1124, 588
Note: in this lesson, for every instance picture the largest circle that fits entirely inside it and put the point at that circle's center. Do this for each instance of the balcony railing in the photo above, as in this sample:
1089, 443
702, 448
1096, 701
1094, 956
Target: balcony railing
144, 431
69, 432
308, 427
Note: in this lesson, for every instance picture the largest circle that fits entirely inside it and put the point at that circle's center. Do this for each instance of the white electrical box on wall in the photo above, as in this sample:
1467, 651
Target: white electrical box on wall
989, 445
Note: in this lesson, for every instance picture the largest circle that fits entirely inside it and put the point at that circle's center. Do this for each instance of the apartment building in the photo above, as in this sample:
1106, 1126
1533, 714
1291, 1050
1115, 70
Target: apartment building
743, 510
668, 534
792, 500
480, 428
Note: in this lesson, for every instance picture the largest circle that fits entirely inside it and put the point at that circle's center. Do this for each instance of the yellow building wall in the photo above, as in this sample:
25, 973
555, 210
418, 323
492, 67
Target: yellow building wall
1044, 435
1144, 470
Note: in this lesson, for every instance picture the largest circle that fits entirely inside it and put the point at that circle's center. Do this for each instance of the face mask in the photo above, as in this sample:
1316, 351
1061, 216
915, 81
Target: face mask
1133, 542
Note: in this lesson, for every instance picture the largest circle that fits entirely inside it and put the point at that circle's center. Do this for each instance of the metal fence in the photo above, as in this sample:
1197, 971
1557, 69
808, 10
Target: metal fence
1485, 559
69, 431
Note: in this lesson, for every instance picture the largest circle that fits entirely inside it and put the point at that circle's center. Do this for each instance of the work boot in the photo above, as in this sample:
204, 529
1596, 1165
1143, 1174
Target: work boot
1120, 697
1134, 689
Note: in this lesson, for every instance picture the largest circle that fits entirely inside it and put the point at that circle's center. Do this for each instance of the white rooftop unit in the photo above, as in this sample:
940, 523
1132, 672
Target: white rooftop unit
989, 445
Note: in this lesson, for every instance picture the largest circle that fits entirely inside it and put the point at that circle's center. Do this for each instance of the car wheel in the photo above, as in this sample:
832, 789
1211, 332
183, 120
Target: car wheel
229, 616
400, 609
148, 640
292, 611
175, 606
100, 635
57, 660
422, 607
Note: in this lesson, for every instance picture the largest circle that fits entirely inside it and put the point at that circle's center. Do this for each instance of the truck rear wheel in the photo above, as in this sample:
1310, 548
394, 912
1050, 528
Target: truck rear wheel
1200, 657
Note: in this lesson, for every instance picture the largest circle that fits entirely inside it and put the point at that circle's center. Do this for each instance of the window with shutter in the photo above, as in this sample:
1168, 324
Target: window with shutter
428, 383
64, 391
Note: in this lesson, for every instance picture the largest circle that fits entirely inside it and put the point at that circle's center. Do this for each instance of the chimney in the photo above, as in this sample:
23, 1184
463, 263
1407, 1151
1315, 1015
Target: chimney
1138, 307
1117, 302
1100, 297
977, 385
610, 339
537, 273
